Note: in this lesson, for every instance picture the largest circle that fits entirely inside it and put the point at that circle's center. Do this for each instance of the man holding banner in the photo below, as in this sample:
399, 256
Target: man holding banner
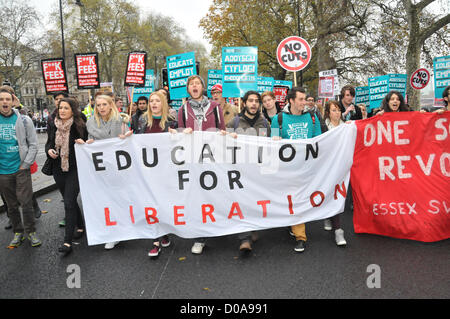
199, 114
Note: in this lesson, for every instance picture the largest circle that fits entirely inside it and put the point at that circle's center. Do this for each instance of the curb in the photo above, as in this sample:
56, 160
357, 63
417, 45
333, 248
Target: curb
42, 191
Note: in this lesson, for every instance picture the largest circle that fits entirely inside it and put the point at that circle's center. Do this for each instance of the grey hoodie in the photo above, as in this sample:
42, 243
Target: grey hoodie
26, 139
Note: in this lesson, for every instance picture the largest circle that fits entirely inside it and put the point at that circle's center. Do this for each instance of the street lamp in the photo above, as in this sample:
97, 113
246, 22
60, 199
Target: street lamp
78, 3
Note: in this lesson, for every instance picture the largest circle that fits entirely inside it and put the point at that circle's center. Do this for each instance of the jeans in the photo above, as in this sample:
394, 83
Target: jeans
17, 190
69, 187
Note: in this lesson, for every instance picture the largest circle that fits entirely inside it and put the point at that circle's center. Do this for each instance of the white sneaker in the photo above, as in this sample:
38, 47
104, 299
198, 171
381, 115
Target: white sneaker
327, 224
111, 245
197, 248
339, 236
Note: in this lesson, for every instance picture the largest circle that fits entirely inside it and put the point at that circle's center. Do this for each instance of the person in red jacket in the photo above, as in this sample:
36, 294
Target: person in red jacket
199, 114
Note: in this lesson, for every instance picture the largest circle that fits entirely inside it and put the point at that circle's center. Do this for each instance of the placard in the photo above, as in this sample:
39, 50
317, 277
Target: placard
136, 66
179, 68
239, 70
54, 74
87, 70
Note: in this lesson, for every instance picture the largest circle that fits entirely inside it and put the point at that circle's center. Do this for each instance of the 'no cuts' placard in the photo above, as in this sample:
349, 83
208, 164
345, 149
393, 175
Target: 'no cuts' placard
294, 54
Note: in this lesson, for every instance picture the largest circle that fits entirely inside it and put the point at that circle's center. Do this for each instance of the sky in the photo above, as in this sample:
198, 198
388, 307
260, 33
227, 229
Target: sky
187, 13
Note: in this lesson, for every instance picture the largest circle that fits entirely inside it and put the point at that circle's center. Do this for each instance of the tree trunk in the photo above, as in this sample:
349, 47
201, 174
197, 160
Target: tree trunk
413, 56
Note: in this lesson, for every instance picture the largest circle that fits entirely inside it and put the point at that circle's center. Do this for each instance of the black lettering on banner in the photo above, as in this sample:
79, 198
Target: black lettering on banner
310, 149
233, 156
281, 153
155, 157
202, 180
127, 158
233, 178
181, 179
172, 155
96, 160
208, 155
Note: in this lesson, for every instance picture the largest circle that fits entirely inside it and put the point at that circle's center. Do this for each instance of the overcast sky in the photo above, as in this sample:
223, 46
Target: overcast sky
187, 12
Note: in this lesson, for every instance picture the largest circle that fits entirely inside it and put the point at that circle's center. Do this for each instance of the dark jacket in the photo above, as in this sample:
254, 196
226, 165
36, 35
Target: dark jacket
355, 115
241, 125
51, 133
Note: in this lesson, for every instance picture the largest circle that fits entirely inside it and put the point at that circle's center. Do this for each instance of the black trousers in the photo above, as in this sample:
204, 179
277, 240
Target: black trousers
67, 183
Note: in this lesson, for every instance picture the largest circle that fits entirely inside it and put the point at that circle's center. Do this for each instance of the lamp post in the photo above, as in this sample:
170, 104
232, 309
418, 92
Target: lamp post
78, 3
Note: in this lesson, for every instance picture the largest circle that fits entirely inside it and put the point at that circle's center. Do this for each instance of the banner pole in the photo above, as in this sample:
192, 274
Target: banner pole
295, 78
131, 102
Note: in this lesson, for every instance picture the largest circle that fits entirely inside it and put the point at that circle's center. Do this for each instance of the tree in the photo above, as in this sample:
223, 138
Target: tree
19, 49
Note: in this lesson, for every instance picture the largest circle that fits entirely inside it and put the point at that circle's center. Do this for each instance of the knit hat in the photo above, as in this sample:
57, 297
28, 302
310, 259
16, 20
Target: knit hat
217, 87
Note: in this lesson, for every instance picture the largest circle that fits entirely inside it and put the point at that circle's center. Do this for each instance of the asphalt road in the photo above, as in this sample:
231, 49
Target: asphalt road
408, 269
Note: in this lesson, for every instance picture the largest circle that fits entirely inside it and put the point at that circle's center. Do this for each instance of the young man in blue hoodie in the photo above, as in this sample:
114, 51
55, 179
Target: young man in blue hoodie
18, 149
293, 123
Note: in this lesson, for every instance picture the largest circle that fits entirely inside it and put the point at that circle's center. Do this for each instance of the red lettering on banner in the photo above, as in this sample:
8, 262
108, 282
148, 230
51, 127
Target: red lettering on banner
131, 214
264, 203
178, 215
207, 210
314, 195
342, 191
291, 211
151, 218
108, 219
235, 207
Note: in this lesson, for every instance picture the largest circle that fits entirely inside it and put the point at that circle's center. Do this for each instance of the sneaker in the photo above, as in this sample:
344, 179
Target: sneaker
17, 240
245, 246
155, 251
165, 241
300, 246
34, 240
197, 248
62, 223
327, 224
111, 245
339, 236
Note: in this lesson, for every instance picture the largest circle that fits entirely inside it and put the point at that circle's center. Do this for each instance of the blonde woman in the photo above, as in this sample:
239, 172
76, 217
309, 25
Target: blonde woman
157, 118
106, 123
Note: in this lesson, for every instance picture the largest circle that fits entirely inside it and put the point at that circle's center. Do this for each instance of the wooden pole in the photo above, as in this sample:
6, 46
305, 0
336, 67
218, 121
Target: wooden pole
131, 102
295, 78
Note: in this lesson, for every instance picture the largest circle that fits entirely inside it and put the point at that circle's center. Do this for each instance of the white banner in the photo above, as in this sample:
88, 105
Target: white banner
206, 184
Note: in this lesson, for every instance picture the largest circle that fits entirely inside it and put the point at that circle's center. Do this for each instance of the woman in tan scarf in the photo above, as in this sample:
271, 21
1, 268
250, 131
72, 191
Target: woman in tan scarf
63, 130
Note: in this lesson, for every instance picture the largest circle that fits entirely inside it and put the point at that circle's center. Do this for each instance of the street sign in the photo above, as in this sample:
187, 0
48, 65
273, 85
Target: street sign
419, 79
294, 53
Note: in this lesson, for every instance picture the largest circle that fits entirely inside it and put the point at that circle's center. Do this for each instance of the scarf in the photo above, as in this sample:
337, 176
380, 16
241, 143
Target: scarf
62, 141
200, 109
252, 121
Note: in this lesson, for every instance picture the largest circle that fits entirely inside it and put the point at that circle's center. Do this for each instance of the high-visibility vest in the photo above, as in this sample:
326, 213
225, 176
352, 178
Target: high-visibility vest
88, 111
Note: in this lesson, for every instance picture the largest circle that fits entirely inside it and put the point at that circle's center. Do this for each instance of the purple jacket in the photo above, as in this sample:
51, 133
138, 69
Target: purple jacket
186, 115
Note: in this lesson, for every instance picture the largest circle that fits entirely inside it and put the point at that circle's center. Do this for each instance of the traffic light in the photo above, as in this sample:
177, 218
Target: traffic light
165, 78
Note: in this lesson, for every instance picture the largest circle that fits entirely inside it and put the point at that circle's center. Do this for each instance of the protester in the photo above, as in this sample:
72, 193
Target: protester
106, 123
446, 98
363, 109
270, 105
229, 111
18, 149
172, 112
199, 114
157, 120
333, 119
292, 123
250, 122
142, 105
119, 103
348, 109
65, 128
393, 102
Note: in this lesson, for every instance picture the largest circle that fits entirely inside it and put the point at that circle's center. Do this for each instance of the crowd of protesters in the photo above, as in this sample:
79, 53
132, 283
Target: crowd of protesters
68, 124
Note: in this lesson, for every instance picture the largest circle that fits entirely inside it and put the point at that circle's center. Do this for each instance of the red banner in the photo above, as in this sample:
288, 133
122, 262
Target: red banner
54, 73
87, 71
401, 176
136, 66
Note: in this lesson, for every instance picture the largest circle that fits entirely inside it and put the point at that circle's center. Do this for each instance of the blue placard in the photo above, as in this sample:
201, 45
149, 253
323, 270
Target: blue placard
363, 96
265, 84
147, 89
239, 70
282, 83
397, 82
179, 68
378, 87
214, 77
176, 104
441, 67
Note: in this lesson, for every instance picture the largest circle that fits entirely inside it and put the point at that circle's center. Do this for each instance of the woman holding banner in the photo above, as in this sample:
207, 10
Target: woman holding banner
156, 120
333, 118
63, 130
106, 123
393, 102
199, 114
